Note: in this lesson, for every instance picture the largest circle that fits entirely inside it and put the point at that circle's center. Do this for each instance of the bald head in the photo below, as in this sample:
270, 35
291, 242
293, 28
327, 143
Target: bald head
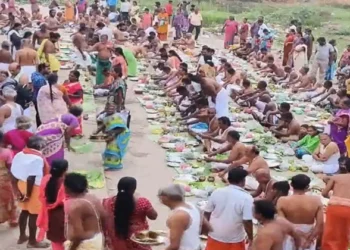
14, 69
263, 175
5, 45
23, 80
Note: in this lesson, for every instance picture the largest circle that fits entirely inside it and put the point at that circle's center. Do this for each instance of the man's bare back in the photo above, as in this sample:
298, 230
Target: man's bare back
257, 163
340, 184
40, 36
5, 56
26, 57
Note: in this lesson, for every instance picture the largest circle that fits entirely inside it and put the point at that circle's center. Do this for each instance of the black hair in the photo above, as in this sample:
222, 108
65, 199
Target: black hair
146, 9
346, 162
265, 208
58, 168
225, 120
160, 65
41, 67
246, 82
52, 79
314, 128
27, 34
184, 65
76, 110
346, 102
186, 81
100, 25
124, 206
262, 84
321, 40
173, 53
328, 84
166, 69
76, 183
181, 89
16, 25
207, 58
118, 70
76, 73
263, 49
234, 135
288, 116
202, 102
195, 78
285, 106
231, 71
282, 186
1, 136
305, 126
223, 60
120, 52
237, 175
255, 150
300, 182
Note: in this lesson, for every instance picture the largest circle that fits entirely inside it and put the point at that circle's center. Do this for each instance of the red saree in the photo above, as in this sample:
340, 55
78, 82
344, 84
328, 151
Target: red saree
287, 48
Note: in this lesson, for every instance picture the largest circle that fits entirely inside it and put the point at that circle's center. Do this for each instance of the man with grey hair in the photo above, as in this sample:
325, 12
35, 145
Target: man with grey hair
5, 56
185, 222
10, 110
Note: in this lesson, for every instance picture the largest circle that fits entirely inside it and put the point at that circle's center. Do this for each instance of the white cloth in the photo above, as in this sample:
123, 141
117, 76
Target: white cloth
190, 238
4, 66
223, 136
261, 29
219, 165
289, 242
10, 122
125, 6
77, 58
101, 92
28, 70
106, 31
28, 113
25, 165
229, 207
221, 103
196, 86
330, 166
149, 30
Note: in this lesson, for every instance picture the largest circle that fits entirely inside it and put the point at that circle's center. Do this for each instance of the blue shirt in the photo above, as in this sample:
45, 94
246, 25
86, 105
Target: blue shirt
38, 80
112, 2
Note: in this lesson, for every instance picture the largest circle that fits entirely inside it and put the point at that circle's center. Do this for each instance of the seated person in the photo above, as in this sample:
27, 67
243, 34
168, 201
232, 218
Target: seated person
271, 118
326, 90
244, 51
103, 89
272, 70
200, 113
279, 80
260, 107
236, 148
288, 129
245, 90
326, 156
280, 189
183, 101
303, 131
258, 92
308, 144
265, 181
334, 101
172, 84
208, 68
259, 61
185, 44
218, 138
304, 81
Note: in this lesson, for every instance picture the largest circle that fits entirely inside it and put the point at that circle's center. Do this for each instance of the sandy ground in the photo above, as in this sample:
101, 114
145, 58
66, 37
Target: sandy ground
145, 160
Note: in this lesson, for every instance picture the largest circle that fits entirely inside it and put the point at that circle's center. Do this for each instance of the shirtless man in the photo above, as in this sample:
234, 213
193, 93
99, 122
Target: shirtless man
304, 211
289, 128
52, 23
186, 43
5, 56
23, 13
273, 233
104, 53
303, 81
40, 35
36, 15
246, 90
83, 59
271, 118
259, 61
237, 151
336, 229
292, 77
264, 190
85, 212
27, 58
49, 53
252, 158
272, 69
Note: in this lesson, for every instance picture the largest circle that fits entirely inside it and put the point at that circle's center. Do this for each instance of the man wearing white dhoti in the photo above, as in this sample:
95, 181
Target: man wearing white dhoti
81, 57
27, 58
5, 56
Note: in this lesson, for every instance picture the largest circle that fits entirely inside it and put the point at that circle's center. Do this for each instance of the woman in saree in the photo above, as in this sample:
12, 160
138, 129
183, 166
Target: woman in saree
339, 126
130, 213
243, 32
69, 15
231, 29
75, 95
266, 40
82, 6
287, 46
52, 100
178, 23
131, 61
47, 52
52, 196
117, 92
8, 211
57, 132
120, 60
163, 23
300, 55
118, 136
174, 60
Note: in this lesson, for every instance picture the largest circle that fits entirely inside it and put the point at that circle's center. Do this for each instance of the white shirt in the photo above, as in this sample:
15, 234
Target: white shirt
125, 6
213, 59
106, 31
323, 52
149, 30
261, 29
25, 165
229, 207
195, 19
113, 15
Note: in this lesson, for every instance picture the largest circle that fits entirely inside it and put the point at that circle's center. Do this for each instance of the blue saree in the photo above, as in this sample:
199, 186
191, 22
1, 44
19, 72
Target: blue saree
116, 149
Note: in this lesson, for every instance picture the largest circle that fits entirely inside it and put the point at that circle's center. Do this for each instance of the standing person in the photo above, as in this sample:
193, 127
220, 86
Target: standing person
104, 54
125, 7
47, 52
309, 41
130, 213
15, 38
230, 213
336, 229
131, 61
169, 10
83, 211
134, 11
323, 58
231, 29
28, 168
57, 133
10, 110
38, 81
288, 46
5, 56
75, 95
52, 196
146, 19
332, 68
27, 58
244, 31
300, 55
69, 12
40, 35
196, 22
304, 211
82, 58
112, 4
50, 100
81, 6
24, 95
34, 6
178, 23
17, 138
163, 25
185, 220
255, 28
7, 199
119, 60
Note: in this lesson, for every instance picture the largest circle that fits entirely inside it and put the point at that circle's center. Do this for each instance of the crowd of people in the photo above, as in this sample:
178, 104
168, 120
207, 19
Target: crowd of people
108, 43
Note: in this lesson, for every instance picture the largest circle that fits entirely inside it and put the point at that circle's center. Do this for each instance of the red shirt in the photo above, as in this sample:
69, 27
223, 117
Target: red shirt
169, 9
17, 139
